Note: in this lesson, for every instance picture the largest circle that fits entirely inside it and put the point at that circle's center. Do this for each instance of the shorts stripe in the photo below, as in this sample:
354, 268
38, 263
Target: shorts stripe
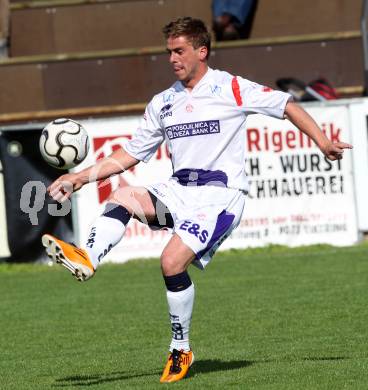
224, 221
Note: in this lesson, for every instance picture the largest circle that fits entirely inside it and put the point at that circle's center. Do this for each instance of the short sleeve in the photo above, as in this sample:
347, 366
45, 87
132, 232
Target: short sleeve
258, 99
147, 138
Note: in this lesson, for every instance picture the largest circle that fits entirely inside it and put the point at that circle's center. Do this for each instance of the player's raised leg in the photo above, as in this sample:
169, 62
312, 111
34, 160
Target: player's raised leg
180, 298
107, 230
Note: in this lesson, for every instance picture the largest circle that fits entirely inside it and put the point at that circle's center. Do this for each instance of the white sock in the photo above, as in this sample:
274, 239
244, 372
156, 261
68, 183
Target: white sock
105, 233
180, 308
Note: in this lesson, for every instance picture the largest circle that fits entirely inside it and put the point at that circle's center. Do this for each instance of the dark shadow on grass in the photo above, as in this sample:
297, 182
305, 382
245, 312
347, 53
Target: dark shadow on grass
97, 379
325, 358
204, 366
199, 367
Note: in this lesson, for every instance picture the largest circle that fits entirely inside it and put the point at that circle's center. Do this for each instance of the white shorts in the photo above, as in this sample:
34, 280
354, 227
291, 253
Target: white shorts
203, 216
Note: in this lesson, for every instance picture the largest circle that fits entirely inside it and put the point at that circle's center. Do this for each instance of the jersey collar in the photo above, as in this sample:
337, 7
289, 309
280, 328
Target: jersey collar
179, 87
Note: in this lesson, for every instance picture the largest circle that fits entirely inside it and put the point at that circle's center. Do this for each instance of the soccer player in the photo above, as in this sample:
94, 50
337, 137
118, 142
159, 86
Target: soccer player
202, 119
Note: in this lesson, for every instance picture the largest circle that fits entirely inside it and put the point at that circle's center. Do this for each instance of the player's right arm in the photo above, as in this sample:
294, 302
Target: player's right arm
118, 162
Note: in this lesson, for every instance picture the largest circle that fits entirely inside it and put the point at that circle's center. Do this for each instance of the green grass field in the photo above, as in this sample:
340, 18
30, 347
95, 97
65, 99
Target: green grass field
273, 318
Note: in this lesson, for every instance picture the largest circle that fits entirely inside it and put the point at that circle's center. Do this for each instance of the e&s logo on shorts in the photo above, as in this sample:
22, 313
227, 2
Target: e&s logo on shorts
195, 229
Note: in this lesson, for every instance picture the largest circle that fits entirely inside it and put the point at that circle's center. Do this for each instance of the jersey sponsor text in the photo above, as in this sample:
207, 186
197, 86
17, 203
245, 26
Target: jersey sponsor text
193, 128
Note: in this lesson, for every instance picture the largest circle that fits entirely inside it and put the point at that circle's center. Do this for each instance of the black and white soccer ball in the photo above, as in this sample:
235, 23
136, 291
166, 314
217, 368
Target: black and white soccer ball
64, 143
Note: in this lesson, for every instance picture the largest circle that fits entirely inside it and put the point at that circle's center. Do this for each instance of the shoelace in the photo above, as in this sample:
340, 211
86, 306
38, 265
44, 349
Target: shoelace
176, 361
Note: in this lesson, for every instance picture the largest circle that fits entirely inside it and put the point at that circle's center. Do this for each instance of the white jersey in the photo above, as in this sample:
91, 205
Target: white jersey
205, 128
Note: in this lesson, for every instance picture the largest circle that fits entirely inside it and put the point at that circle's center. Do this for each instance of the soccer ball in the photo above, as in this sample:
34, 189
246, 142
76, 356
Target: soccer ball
64, 143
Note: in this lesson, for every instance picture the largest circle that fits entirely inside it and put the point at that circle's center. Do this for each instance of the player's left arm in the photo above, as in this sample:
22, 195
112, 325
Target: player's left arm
305, 123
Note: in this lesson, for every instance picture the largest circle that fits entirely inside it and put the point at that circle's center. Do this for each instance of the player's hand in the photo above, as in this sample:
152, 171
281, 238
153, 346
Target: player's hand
335, 150
63, 187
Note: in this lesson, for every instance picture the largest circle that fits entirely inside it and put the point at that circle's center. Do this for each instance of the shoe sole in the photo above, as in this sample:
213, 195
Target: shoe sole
56, 254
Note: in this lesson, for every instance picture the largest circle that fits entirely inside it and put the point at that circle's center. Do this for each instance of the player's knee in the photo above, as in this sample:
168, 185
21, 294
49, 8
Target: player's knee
169, 266
121, 198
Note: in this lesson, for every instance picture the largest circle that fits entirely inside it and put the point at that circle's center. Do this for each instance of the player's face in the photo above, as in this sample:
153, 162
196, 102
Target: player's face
187, 61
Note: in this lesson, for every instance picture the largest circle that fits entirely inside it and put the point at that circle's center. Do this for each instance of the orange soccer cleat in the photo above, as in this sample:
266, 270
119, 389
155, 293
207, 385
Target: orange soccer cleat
177, 366
74, 259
